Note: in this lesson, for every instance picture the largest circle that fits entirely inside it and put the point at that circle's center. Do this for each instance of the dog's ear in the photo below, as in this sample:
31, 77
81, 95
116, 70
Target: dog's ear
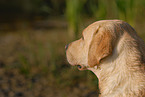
101, 46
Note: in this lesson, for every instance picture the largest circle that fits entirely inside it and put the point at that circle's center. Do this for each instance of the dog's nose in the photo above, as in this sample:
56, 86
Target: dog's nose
66, 47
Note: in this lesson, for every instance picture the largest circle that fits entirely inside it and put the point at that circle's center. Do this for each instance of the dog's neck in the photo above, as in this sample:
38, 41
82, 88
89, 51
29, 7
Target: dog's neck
112, 77
116, 75
115, 78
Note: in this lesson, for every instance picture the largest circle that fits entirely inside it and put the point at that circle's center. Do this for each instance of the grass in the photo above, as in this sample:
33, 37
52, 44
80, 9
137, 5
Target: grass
39, 58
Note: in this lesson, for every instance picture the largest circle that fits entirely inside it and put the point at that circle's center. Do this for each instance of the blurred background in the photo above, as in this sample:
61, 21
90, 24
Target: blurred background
33, 34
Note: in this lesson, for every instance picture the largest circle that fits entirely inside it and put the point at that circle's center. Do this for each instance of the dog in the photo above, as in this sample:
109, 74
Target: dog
114, 52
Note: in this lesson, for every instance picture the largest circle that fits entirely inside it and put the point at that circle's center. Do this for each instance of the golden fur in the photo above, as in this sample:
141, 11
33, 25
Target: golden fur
115, 53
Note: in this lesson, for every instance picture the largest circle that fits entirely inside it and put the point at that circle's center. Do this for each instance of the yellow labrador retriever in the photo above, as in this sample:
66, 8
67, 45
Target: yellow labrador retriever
115, 53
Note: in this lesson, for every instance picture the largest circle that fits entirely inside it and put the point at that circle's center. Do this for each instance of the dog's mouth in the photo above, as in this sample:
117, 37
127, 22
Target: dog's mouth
81, 67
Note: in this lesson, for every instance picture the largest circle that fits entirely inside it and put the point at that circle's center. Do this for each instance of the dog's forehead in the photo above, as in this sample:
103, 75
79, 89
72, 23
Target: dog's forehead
92, 28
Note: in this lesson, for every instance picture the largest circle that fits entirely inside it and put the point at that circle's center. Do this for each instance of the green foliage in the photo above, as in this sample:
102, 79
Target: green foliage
25, 66
101, 12
73, 8
127, 10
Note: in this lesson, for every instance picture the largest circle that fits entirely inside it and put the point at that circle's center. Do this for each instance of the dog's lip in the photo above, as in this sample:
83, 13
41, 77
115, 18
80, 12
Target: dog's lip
81, 67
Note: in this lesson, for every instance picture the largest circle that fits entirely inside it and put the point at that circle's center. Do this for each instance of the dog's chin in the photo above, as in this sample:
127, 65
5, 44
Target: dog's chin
79, 66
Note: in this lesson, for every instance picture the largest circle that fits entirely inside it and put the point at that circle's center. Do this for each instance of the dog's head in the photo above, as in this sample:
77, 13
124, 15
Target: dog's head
97, 43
